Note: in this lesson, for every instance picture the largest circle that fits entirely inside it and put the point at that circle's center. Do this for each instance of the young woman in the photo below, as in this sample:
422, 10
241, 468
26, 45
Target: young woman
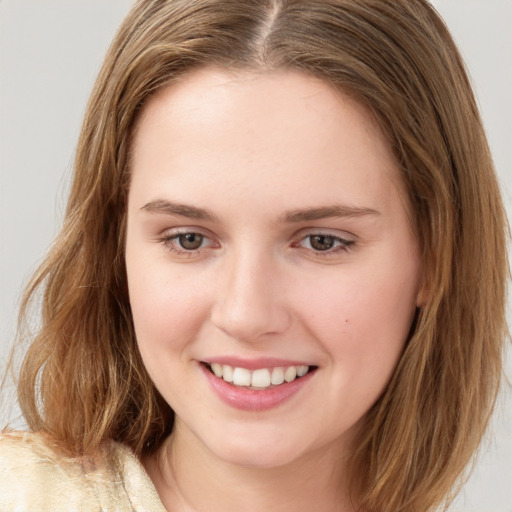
281, 279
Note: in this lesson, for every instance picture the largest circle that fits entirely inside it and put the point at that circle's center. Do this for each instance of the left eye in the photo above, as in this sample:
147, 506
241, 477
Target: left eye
324, 243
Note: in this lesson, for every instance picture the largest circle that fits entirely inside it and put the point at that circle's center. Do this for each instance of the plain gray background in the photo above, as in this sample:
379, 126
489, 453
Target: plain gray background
50, 53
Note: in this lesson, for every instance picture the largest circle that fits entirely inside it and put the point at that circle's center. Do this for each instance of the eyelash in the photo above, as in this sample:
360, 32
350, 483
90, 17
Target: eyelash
343, 245
170, 243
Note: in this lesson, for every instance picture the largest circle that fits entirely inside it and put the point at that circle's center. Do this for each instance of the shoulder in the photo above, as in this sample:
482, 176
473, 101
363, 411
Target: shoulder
34, 475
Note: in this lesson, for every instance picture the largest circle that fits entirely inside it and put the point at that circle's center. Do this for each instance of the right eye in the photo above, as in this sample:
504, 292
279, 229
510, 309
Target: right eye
186, 243
189, 241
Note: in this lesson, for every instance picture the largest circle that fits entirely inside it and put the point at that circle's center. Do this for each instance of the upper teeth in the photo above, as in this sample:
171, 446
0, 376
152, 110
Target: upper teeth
261, 378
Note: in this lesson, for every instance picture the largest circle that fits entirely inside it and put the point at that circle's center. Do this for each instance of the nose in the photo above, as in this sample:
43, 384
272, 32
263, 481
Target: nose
251, 303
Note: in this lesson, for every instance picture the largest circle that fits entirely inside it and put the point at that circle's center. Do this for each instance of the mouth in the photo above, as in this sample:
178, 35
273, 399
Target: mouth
260, 378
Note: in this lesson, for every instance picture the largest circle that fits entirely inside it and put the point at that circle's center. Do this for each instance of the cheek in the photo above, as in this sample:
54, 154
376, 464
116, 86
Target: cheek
167, 313
166, 307
363, 331
363, 321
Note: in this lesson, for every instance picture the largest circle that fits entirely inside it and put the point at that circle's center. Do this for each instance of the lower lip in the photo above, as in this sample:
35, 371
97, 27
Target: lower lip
252, 399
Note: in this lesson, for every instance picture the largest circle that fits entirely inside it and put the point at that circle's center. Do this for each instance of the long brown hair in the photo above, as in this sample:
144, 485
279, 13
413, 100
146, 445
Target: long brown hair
83, 380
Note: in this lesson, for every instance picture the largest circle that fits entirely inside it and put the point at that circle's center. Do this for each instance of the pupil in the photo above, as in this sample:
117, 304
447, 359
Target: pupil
322, 242
190, 241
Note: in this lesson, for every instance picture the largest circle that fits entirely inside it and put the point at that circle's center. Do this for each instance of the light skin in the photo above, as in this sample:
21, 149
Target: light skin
266, 219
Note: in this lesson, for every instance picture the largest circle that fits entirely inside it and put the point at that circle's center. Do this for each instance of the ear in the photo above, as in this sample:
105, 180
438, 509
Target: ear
423, 294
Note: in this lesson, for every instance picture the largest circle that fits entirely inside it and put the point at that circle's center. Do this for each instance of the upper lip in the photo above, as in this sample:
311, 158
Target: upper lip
256, 363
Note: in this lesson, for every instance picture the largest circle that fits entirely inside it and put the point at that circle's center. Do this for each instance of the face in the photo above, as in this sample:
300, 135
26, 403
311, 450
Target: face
272, 269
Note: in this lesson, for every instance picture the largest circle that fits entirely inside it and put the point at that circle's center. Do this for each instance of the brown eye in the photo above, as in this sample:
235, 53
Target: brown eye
190, 241
322, 242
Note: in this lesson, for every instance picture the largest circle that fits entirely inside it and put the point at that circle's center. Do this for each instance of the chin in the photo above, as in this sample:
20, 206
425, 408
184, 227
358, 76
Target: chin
261, 456
265, 449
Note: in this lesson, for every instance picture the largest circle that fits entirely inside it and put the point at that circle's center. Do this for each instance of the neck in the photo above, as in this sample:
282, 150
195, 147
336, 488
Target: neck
189, 478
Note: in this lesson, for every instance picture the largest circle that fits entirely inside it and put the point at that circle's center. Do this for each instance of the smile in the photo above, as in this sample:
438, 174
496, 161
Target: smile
256, 385
258, 379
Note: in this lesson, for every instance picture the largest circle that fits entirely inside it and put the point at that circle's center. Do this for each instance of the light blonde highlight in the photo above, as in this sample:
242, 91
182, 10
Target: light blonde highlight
398, 59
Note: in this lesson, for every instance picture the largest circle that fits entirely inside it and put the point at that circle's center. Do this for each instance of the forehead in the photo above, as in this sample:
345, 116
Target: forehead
213, 94
283, 130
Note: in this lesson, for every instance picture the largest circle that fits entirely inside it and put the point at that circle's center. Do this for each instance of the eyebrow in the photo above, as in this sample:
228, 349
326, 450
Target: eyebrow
325, 212
165, 207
